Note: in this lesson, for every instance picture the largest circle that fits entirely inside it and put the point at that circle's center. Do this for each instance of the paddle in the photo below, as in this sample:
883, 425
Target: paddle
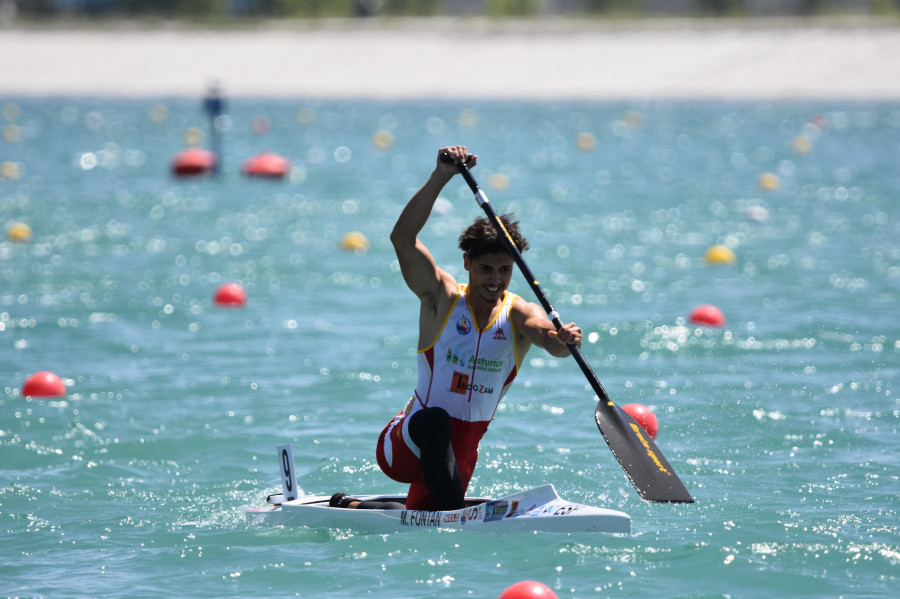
643, 462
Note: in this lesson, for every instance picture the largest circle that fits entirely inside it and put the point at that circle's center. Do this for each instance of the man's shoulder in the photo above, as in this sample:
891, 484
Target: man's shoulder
520, 310
520, 305
448, 284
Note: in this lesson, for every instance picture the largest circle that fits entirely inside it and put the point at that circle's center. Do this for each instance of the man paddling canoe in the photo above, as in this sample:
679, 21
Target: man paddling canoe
472, 341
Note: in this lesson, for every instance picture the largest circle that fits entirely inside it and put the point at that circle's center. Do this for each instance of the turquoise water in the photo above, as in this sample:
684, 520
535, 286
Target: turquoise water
783, 423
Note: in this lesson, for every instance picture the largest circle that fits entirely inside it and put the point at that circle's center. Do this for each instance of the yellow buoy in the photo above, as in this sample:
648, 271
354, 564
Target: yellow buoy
12, 133
306, 115
720, 254
10, 170
633, 119
354, 241
586, 141
498, 181
18, 233
383, 140
158, 114
193, 136
768, 182
801, 144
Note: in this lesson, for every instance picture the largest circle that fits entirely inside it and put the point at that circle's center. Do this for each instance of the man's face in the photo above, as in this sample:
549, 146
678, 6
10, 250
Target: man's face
489, 274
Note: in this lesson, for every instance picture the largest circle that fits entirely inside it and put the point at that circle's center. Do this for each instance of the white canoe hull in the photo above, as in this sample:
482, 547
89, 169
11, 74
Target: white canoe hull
539, 509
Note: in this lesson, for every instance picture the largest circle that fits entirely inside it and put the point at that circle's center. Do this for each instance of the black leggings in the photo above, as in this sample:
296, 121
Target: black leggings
430, 429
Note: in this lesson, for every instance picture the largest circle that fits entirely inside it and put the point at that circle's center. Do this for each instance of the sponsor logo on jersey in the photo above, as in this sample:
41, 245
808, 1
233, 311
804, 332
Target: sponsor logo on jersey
459, 357
463, 326
459, 383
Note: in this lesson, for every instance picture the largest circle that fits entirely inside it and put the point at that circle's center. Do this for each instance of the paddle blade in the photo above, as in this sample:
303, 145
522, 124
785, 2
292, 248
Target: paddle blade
643, 462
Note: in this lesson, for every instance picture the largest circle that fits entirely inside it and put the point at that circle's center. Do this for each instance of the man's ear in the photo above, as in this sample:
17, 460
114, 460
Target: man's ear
467, 263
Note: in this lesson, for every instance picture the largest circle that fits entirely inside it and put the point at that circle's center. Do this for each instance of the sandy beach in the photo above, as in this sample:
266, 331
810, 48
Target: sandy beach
447, 58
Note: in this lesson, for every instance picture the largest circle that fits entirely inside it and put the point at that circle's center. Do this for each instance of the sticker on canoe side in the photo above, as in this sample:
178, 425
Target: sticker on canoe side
420, 518
495, 510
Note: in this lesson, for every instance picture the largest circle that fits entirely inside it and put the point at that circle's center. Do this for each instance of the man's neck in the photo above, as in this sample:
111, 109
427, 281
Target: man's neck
482, 309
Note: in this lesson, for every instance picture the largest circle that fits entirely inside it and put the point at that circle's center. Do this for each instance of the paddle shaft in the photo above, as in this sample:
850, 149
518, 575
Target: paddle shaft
552, 314
643, 462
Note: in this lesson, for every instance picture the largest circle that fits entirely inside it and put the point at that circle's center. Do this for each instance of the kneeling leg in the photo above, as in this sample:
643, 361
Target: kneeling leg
430, 429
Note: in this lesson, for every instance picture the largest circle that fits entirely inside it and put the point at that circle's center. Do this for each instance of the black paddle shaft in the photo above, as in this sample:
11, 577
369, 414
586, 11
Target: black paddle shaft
643, 462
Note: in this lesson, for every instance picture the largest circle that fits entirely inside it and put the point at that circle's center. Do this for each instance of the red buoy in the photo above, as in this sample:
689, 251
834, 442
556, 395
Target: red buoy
230, 295
267, 164
193, 162
43, 384
709, 315
644, 417
528, 589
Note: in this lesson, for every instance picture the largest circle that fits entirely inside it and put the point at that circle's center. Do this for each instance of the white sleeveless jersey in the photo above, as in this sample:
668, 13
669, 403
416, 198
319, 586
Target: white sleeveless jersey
467, 371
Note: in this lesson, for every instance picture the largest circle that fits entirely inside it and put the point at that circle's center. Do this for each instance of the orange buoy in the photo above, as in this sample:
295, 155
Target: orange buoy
707, 314
528, 589
643, 416
43, 384
193, 162
230, 295
267, 164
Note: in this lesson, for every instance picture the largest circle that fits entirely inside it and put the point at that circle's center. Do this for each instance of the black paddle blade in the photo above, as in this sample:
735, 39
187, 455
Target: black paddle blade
643, 462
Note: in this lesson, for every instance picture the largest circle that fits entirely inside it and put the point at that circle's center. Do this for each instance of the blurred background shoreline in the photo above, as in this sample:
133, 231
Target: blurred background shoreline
507, 49
237, 12
458, 58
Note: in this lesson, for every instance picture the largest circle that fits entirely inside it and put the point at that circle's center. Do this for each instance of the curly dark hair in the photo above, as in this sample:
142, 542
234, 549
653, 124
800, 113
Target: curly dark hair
481, 237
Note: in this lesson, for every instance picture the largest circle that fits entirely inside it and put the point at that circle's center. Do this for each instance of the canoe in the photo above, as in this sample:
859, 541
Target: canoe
539, 509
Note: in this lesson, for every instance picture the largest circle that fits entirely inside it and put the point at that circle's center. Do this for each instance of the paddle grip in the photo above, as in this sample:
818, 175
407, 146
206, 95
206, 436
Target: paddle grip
445, 158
